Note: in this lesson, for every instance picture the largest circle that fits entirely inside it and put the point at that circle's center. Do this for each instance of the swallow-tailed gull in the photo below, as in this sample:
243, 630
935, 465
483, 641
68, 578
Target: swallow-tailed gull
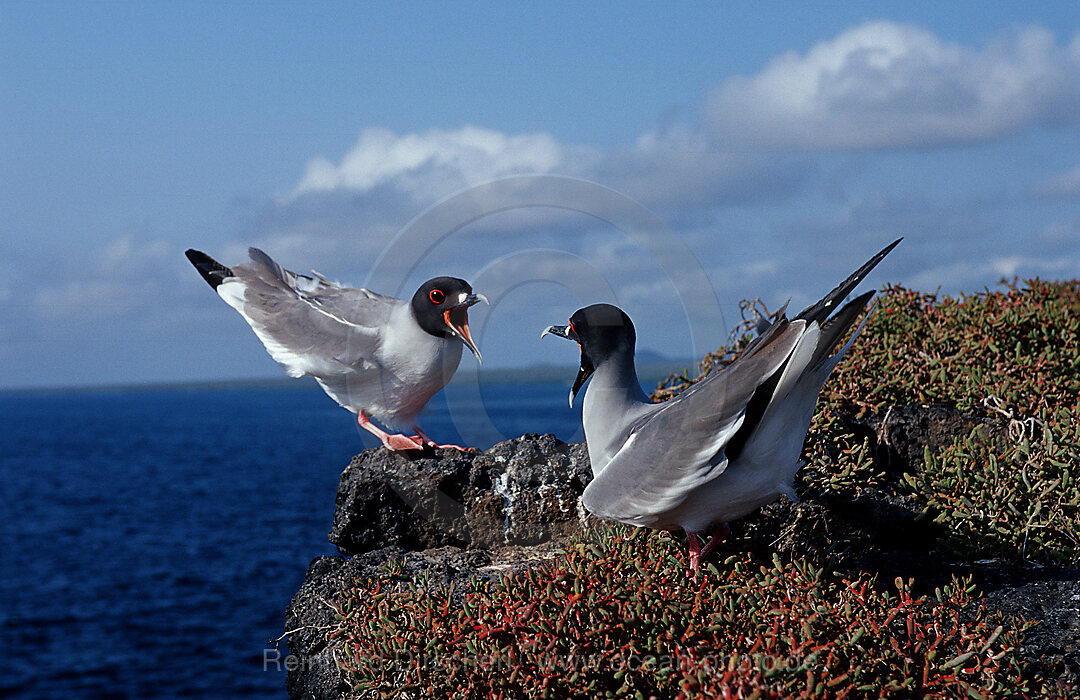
724, 447
380, 357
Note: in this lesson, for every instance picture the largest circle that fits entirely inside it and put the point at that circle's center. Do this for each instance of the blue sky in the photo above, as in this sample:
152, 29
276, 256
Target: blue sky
775, 145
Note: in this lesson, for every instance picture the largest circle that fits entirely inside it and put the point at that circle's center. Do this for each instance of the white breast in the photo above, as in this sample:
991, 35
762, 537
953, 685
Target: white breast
412, 366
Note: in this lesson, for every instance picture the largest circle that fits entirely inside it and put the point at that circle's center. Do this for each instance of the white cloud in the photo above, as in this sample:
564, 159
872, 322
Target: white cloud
880, 85
437, 161
884, 85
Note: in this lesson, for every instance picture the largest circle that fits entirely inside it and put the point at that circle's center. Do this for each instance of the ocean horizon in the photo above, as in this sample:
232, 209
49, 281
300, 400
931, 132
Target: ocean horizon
652, 367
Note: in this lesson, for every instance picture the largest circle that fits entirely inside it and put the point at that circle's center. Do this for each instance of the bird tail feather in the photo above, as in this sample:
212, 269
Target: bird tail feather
211, 270
821, 310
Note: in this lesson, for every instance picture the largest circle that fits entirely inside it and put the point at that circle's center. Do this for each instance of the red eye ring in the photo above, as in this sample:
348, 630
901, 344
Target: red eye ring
436, 296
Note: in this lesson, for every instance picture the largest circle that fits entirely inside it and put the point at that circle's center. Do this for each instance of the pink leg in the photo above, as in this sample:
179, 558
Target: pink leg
395, 443
721, 534
431, 443
697, 552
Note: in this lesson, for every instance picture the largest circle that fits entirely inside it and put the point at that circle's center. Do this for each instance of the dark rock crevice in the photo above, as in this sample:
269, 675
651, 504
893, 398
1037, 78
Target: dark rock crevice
901, 435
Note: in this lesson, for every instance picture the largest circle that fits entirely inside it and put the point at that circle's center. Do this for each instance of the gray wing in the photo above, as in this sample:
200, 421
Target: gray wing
680, 447
309, 325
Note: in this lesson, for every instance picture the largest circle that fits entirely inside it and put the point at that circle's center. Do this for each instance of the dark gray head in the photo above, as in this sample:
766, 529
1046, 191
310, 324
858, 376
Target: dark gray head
441, 306
603, 332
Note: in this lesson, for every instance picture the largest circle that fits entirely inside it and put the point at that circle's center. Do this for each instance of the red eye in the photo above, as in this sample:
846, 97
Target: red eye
436, 296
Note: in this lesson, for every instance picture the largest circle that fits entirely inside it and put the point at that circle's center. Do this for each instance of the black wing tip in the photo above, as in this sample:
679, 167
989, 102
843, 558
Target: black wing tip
211, 270
834, 329
850, 311
822, 309
877, 258
872, 263
862, 299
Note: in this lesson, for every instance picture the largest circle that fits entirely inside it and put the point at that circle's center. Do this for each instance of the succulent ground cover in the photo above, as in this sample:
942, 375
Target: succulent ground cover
616, 616
1007, 490
619, 616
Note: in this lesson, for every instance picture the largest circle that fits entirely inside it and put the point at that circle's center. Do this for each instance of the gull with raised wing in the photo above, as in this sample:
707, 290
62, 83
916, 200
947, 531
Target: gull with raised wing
724, 447
381, 358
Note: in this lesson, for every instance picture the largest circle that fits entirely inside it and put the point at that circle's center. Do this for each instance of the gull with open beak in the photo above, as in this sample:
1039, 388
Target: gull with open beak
724, 447
381, 358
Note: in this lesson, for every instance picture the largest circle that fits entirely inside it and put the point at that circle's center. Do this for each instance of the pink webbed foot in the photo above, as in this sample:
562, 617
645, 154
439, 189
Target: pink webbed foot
431, 443
402, 443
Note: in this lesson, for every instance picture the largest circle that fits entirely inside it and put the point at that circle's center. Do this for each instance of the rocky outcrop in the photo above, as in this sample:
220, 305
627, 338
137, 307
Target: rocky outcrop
520, 492
450, 514
466, 515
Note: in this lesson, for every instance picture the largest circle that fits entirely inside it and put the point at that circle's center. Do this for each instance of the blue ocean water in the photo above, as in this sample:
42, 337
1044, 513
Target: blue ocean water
152, 538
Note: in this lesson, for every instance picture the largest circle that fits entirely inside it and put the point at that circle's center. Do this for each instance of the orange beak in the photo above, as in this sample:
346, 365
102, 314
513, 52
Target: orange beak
456, 319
